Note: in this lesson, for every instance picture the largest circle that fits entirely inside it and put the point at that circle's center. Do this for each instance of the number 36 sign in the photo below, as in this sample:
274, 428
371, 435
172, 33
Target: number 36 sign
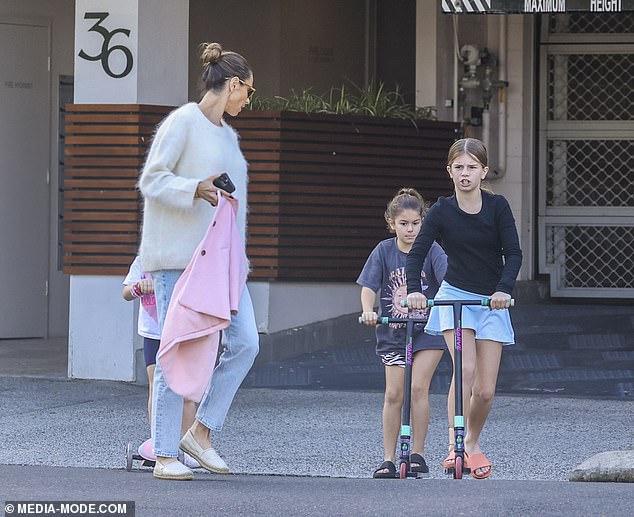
106, 39
107, 48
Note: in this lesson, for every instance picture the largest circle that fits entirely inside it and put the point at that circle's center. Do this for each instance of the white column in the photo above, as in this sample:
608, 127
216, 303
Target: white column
426, 55
126, 52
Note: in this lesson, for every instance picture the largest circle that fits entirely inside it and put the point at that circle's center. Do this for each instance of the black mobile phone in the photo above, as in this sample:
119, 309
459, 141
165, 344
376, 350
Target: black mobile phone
224, 182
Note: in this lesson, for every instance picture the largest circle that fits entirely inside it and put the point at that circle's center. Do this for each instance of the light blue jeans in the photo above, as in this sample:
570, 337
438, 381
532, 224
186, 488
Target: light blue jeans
241, 346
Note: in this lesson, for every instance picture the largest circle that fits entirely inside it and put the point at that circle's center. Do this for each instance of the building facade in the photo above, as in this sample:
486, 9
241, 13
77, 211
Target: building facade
547, 85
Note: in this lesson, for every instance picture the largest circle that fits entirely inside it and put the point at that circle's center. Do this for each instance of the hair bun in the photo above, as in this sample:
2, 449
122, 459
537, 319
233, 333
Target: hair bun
211, 53
409, 192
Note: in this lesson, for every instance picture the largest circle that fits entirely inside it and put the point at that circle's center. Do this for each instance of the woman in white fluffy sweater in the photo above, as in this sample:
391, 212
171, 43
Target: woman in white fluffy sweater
191, 148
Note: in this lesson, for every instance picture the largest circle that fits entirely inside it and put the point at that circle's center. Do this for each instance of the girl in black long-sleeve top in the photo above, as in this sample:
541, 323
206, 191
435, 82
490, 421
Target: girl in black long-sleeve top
477, 231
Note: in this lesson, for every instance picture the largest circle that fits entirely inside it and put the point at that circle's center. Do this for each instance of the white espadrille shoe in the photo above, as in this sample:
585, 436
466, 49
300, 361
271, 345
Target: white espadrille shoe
208, 458
174, 470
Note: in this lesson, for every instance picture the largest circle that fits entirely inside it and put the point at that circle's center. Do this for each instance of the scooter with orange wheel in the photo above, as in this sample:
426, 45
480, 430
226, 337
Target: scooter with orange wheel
405, 437
459, 467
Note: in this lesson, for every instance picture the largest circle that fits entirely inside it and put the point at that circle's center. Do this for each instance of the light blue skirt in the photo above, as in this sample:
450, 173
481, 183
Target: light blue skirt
487, 324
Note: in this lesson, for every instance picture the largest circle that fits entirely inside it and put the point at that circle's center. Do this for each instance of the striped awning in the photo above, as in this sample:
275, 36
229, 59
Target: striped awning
535, 6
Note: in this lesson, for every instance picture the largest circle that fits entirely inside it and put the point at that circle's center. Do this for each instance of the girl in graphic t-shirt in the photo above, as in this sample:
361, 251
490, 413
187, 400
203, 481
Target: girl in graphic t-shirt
385, 271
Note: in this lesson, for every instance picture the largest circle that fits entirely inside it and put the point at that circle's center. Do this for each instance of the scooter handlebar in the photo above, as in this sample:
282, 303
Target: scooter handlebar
483, 302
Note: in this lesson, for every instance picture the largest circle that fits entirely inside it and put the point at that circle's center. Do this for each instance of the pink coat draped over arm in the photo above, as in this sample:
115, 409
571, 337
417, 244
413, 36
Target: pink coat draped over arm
203, 300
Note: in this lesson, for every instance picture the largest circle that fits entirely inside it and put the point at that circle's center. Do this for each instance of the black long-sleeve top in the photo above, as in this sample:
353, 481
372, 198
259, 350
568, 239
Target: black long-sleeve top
483, 250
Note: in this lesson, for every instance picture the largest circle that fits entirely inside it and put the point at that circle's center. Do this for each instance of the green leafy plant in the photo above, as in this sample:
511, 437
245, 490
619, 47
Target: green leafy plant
374, 100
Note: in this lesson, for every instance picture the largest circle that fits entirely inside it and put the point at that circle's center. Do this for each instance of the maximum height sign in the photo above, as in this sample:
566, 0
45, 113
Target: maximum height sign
535, 6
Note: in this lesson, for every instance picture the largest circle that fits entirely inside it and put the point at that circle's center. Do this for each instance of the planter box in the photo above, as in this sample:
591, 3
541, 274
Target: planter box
319, 186
104, 149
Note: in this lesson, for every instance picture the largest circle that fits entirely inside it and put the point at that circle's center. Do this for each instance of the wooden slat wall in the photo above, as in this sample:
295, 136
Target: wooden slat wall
319, 185
105, 147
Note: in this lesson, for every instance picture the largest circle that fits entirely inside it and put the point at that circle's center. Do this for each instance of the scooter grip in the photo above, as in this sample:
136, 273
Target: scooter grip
487, 301
430, 303
380, 321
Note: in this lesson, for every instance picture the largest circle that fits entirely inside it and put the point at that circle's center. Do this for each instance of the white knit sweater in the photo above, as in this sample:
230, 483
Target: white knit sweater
187, 148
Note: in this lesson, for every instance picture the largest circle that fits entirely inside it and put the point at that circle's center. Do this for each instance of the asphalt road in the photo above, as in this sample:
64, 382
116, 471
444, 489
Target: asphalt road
253, 495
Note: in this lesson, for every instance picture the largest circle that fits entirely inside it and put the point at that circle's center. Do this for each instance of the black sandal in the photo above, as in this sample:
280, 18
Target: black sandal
417, 464
386, 465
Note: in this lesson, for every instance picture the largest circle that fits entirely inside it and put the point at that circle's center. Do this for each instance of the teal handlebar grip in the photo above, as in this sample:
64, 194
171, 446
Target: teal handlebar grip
430, 303
380, 321
487, 301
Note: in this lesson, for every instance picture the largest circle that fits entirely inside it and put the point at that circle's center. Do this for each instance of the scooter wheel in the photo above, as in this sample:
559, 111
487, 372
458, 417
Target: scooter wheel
457, 473
128, 457
402, 470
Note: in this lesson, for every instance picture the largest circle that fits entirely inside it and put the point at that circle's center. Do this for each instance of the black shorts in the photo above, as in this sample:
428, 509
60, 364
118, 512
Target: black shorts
150, 349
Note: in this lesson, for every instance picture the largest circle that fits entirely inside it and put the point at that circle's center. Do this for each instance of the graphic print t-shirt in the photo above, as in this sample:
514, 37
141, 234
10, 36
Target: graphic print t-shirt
147, 325
385, 270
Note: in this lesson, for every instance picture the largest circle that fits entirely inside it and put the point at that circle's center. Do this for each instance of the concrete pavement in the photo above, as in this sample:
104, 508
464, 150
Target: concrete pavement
301, 432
